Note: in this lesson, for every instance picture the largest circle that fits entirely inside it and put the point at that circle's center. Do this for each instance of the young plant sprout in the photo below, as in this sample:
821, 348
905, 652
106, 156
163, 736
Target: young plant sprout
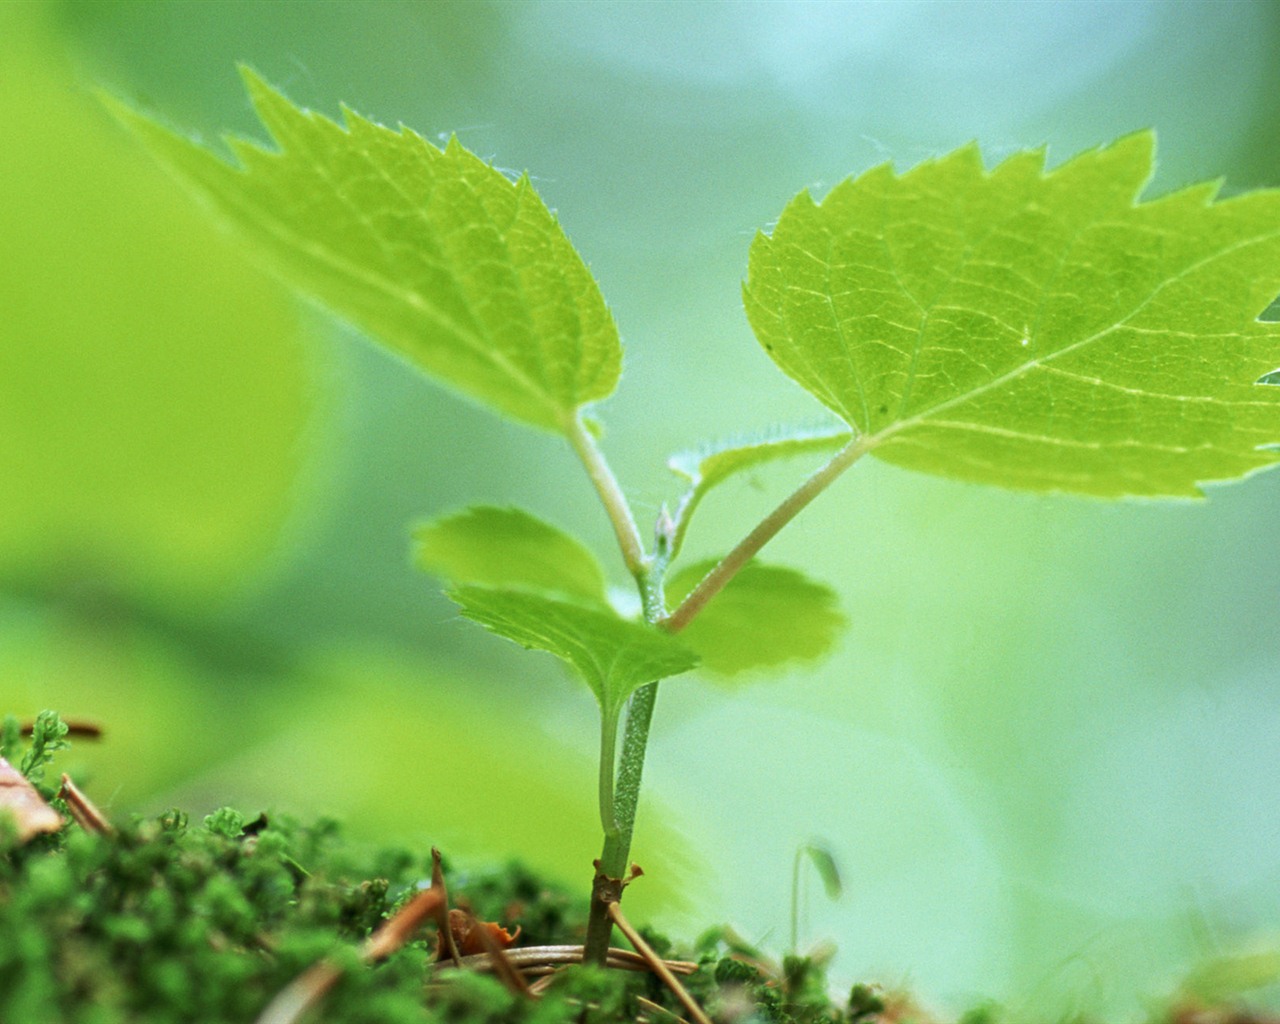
1032, 329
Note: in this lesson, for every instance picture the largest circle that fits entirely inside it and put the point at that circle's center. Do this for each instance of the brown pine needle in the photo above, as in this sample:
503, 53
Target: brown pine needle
442, 915
502, 966
396, 931
309, 987
661, 1011
79, 728
657, 965
296, 998
541, 959
83, 810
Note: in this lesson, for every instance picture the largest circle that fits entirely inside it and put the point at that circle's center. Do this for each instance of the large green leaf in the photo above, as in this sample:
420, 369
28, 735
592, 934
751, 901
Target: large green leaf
508, 547
460, 270
766, 616
613, 655
1036, 330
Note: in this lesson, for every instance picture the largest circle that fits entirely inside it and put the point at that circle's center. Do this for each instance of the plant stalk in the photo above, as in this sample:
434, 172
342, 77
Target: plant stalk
611, 496
608, 744
611, 869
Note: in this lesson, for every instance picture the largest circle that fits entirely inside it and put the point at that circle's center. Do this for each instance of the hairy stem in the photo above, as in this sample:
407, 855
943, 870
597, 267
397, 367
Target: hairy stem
608, 745
611, 496
728, 567
611, 869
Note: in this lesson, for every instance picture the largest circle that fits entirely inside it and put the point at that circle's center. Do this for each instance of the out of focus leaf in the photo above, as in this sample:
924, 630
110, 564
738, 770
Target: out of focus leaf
825, 865
152, 386
766, 616
502, 547
1225, 978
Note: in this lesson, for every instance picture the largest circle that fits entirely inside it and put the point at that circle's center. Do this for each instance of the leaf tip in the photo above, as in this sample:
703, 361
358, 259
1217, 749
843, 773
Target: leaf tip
1141, 142
274, 109
254, 83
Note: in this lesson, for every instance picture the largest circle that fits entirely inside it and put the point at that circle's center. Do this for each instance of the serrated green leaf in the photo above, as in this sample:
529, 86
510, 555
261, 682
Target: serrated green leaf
460, 270
766, 616
713, 463
1037, 330
508, 547
613, 655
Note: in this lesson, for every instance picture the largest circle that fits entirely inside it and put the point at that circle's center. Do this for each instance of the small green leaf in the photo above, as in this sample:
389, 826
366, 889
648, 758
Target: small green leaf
1037, 330
508, 547
613, 655
766, 615
461, 271
713, 463
1227, 977
825, 864
48, 736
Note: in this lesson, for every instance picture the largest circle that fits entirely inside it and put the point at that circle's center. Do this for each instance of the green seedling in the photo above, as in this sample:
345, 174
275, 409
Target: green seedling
824, 865
1043, 330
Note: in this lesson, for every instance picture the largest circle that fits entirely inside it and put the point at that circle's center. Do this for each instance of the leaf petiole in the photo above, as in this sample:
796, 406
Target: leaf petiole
611, 496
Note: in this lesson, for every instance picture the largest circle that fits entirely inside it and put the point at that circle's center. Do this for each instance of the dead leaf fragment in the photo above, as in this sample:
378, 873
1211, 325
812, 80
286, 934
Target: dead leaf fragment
467, 935
25, 804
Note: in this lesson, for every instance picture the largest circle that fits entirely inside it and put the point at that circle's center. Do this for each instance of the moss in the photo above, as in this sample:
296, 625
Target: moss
169, 921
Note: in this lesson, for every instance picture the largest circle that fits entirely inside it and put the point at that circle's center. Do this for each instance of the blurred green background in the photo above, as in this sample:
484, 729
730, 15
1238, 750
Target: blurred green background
1045, 755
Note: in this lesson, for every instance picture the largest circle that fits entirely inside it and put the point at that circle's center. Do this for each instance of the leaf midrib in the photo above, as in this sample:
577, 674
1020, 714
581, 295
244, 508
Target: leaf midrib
880, 437
414, 299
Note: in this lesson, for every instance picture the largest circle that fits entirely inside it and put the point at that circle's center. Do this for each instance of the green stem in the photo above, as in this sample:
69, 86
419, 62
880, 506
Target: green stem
625, 797
728, 567
611, 496
795, 901
608, 745
611, 869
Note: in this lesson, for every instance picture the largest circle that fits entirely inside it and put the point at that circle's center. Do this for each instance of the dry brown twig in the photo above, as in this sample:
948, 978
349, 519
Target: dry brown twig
547, 959
502, 965
511, 966
658, 965
661, 1011
83, 810
77, 727
442, 918
292, 1001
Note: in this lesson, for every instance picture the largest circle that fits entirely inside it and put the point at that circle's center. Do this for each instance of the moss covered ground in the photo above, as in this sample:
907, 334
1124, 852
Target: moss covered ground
169, 920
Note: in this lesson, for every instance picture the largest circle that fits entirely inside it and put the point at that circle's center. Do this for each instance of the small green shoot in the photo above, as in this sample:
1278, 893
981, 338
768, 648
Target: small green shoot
824, 863
48, 736
1046, 330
